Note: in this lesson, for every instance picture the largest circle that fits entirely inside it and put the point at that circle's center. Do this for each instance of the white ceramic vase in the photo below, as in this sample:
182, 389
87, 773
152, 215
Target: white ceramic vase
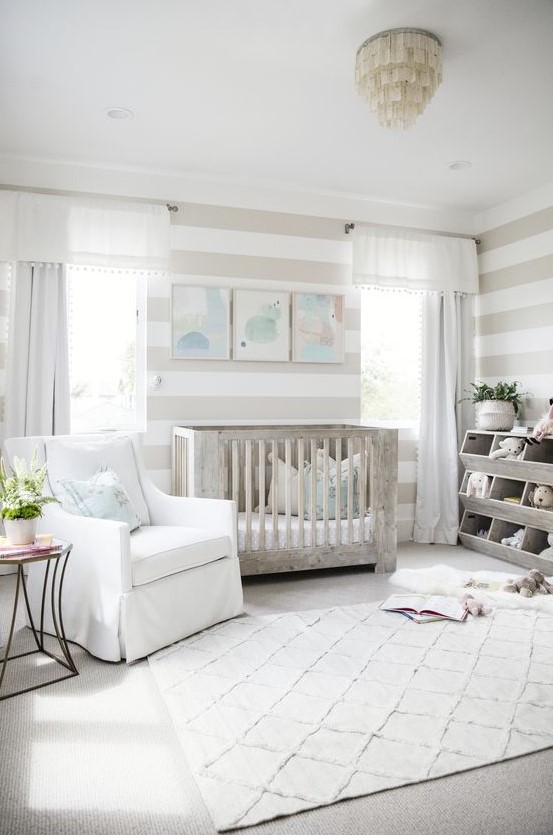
20, 531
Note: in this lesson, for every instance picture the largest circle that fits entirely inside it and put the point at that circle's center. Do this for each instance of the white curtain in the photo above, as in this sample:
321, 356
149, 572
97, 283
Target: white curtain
447, 331
5, 284
446, 270
37, 373
90, 231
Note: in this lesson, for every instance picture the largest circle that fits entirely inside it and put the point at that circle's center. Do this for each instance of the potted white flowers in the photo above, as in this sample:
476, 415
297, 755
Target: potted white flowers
22, 499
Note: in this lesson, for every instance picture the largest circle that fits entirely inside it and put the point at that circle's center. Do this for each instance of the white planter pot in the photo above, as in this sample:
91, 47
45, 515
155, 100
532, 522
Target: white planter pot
495, 415
20, 531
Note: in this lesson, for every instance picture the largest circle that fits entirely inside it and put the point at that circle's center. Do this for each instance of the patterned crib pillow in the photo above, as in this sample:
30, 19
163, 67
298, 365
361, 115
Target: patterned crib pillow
101, 497
332, 492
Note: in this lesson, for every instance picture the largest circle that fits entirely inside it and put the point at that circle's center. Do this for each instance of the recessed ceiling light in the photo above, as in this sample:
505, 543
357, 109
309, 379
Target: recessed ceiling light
119, 113
459, 164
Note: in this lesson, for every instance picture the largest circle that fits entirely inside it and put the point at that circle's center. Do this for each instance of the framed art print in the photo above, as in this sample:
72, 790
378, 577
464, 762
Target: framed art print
200, 326
261, 325
317, 328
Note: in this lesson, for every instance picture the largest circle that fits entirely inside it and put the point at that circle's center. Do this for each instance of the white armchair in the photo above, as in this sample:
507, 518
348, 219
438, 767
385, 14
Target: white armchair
128, 593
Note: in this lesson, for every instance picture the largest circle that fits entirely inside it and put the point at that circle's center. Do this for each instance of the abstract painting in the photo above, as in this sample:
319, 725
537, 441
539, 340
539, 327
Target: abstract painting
200, 322
261, 325
318, 328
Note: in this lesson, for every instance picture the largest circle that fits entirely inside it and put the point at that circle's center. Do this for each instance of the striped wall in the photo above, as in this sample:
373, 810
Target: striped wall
514, 312
248, 249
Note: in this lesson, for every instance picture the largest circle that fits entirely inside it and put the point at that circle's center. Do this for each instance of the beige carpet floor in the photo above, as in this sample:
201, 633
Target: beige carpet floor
98, 753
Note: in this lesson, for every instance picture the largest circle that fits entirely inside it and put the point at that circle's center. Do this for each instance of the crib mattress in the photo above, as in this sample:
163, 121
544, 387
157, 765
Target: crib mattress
295, 522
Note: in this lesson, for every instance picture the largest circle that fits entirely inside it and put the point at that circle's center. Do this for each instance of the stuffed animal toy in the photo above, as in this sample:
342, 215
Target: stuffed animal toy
547, 553
478, 485
515, 541
534, 583
543, 427
473, 606
510, 448
542, 497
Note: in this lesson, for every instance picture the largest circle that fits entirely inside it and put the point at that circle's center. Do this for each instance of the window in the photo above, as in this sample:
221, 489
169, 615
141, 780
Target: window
390, 356
106, 340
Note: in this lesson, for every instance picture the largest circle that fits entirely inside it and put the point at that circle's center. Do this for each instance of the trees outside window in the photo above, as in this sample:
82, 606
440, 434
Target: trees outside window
390, 357
106, 332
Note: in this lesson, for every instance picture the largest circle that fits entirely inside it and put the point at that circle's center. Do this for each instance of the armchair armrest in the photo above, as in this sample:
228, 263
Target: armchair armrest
101, 547
215, 514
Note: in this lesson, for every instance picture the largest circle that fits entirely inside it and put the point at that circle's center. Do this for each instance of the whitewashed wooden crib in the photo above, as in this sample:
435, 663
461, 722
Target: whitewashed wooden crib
307, 496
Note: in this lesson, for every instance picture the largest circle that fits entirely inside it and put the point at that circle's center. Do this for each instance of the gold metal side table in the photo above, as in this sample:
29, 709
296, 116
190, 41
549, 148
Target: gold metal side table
56, 557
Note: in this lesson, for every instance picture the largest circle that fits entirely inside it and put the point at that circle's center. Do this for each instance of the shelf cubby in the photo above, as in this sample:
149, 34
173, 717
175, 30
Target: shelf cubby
477, 443
507, 488
535, 541
540, 453
474, 524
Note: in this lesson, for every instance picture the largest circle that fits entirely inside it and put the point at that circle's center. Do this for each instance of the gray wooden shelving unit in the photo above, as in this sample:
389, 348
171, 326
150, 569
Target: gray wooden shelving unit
486, 521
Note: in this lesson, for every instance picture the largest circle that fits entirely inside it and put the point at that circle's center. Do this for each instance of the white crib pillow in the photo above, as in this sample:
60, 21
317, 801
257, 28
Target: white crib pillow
281, 476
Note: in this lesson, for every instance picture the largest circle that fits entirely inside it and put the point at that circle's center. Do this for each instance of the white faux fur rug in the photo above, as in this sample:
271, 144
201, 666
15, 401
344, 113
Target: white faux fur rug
286, 712
443, 579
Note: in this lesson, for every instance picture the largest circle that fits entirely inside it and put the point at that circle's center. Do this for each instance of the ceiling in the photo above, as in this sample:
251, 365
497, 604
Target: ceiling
260, 92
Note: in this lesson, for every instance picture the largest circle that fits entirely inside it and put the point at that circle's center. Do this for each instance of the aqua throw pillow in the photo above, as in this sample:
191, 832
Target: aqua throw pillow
101, 497
332, 490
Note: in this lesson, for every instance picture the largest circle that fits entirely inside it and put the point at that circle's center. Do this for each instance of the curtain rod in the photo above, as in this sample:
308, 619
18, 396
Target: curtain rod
349, 227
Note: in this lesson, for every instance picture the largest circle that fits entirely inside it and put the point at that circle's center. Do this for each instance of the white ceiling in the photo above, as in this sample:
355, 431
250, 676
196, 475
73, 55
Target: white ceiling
261, 92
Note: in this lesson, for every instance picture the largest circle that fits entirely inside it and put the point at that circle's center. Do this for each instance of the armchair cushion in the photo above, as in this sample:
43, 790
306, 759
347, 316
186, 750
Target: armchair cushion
75, 459
102, 496
158, 551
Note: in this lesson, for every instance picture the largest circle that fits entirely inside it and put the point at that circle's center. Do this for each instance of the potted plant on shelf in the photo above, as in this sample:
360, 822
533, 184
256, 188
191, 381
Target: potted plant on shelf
496, 406
22, 499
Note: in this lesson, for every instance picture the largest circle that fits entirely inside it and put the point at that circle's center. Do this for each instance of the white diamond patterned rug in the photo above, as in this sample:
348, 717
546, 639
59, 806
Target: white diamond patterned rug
281, 713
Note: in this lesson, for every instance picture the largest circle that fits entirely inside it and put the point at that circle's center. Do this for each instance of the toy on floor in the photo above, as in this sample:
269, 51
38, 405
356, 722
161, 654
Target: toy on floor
547, 553
478, 485
515, 541
473, 606
543, 427
509, 448
541, 497
533, 583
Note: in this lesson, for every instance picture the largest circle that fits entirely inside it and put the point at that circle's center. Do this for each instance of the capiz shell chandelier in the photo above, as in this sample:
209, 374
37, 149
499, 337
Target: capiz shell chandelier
397, 72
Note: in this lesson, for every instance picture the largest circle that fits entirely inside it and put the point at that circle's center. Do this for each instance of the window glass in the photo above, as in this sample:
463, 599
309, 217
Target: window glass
106, 325
390, 356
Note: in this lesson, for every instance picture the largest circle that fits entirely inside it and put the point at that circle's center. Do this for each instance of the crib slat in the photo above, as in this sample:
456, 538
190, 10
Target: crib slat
351, 487
338, 514
323, 475
179, 466
313, 476
262, 498
248, 475
274, 504
288, 490
362, 487
301, 490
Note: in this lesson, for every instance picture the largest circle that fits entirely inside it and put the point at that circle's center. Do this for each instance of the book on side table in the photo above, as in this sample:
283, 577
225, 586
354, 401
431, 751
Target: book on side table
31, 550
423, 608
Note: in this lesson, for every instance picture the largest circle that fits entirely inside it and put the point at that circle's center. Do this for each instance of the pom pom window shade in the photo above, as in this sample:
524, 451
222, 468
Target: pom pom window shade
87, 231
413, 260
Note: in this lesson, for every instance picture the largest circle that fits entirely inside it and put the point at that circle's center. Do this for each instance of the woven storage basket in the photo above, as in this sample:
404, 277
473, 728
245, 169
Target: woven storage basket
495, 415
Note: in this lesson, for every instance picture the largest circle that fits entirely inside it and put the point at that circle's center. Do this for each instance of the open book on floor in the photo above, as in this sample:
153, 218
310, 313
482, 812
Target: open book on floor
424, 607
